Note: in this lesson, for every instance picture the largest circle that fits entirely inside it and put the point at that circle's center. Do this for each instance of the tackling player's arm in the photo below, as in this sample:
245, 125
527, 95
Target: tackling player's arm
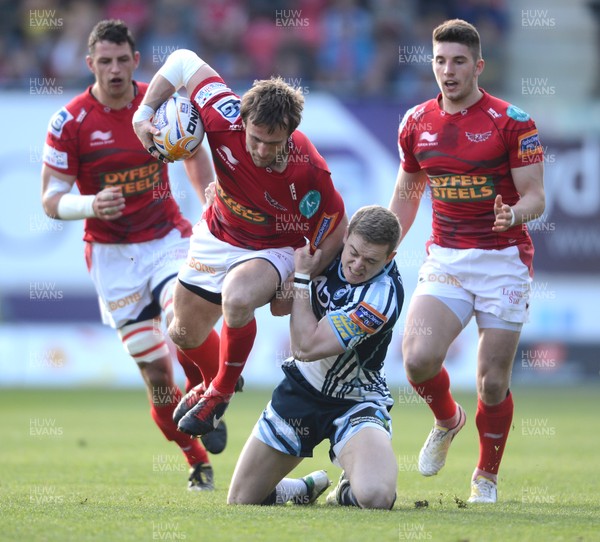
331, 245
406, 196
59, 203
311, 339
529, 182
183, 68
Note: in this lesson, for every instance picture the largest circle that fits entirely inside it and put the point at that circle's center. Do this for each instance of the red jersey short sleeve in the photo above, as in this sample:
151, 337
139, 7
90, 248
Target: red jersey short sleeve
97, 145
468, 157
255, 207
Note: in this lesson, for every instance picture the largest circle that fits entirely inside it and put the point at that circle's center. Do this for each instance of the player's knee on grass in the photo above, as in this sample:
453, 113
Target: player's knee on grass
373, 496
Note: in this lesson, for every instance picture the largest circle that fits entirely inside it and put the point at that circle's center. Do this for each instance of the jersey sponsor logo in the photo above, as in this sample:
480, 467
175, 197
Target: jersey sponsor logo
427, 139
228, 107
367, 318
427, 136
135, 180
494, 113
81, 115
345, 327
98, 137
529, 144
478, 138
462, 187
210, 91
52, 157
416, 113
58, 121
273, 202
255, 217
309, 204
517, 113
323, 228
293, 191
227, 156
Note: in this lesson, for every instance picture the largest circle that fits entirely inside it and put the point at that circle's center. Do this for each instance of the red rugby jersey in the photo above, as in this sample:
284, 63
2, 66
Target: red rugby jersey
255, 207
97, 144
467, 157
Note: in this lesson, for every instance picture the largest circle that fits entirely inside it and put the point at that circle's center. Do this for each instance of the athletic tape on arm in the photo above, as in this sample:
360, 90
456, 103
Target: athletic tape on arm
180, 66
74, 207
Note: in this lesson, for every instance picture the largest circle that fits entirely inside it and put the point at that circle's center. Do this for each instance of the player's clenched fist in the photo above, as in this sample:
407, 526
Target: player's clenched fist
109, 203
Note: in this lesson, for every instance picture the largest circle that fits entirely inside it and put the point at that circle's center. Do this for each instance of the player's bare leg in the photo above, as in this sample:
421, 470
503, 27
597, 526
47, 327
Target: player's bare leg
370, 472
497, 348
258, 471
193, 319
247, 286
430, 329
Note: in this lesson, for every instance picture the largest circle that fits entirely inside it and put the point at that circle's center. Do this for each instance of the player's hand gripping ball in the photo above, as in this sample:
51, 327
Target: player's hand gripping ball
181, 130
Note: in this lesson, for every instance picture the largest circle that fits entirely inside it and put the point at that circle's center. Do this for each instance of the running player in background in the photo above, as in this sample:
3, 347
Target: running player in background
334, 385
135, 235
273, 192
483, 162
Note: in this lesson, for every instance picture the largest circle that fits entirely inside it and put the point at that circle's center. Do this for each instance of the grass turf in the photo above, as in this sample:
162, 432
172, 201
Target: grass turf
90, 465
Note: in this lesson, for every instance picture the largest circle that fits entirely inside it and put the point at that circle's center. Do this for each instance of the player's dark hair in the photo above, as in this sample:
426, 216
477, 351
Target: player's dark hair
113, 30
459, 31
377, 225
274, 104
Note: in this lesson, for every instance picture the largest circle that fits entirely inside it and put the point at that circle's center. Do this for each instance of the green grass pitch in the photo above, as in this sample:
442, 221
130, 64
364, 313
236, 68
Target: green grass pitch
90, 465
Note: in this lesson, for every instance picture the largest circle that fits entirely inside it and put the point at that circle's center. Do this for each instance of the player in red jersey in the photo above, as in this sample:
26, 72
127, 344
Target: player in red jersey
483, 162
273, 193
135, 235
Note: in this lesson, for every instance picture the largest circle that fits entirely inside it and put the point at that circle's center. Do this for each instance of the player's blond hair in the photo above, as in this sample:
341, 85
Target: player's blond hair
377, 225
459, 31
274, 104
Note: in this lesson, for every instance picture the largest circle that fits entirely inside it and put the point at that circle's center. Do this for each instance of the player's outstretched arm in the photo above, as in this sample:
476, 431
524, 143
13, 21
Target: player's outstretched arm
406, 197
183, 68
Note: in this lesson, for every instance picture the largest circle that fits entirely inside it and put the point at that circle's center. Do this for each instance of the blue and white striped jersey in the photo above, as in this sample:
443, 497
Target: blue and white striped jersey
362, 316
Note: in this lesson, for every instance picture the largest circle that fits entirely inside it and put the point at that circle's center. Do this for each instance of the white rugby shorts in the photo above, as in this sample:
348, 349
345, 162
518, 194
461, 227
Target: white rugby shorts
126, 274
209, 259
493, 281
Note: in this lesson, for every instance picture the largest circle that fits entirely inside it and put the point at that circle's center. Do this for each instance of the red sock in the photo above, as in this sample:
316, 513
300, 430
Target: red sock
202, 361
436, 392
493, 424
163, 417
236, 344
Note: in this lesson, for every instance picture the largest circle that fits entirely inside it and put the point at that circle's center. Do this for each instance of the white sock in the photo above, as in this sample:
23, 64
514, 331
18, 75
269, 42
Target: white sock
290, 488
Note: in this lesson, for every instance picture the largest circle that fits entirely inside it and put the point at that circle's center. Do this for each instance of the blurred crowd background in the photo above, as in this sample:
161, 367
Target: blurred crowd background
351, 47
362, 63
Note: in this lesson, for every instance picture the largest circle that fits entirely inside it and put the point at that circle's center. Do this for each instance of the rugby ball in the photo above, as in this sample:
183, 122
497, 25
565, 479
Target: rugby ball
181, 130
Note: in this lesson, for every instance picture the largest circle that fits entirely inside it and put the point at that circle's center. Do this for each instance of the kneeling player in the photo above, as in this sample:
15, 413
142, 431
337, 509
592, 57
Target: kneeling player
334, 385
